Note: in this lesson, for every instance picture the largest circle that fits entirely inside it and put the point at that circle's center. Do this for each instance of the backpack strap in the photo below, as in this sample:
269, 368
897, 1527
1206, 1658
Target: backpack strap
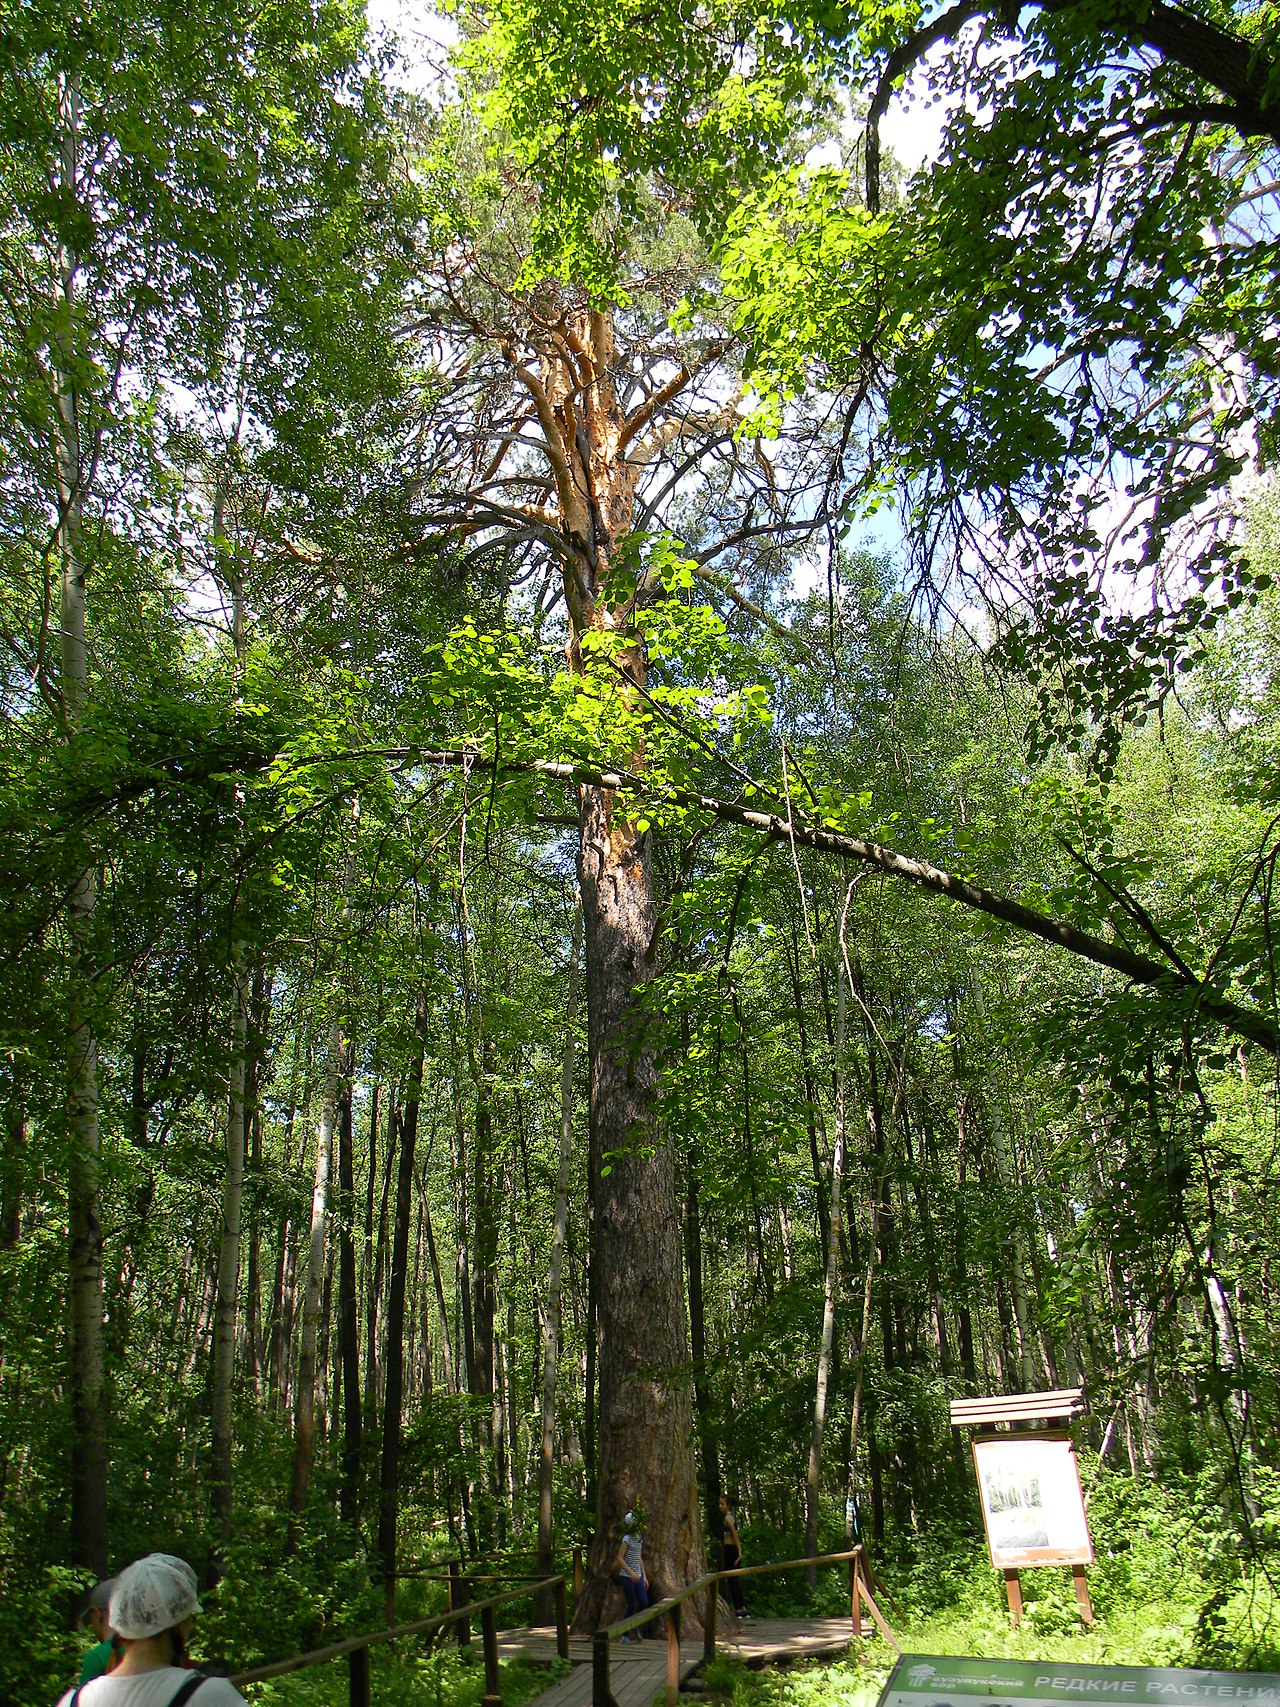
188, 1689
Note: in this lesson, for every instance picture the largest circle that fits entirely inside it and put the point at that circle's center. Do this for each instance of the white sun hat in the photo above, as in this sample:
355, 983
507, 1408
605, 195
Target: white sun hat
152, 1595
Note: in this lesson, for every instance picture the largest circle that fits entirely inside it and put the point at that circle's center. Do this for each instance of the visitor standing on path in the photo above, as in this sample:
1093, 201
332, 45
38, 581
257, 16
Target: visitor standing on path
629, 1567
731, 1548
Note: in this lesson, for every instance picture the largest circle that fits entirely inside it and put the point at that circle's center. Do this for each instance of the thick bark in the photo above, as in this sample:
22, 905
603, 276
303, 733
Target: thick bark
645, 1420
595, 452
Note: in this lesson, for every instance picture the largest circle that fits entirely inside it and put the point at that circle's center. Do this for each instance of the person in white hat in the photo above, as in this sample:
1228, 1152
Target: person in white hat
152, 1604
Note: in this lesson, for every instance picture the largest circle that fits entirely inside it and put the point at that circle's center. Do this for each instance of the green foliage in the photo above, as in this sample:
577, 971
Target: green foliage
39, 1656
405, 1674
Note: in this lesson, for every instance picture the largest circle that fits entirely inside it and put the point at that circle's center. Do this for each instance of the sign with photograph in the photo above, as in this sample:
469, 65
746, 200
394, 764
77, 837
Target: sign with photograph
933, 1680
1031, 1501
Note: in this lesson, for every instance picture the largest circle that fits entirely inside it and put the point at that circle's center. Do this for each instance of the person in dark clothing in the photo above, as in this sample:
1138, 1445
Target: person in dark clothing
731, 1550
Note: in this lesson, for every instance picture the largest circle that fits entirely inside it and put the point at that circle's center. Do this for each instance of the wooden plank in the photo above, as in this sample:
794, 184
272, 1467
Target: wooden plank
1018, 1407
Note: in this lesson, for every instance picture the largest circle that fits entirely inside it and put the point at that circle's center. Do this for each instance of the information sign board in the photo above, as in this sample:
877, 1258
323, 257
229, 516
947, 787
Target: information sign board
932, 1680
1031, 1500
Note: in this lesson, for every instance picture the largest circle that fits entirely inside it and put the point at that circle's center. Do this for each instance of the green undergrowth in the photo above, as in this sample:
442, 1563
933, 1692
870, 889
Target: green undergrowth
1172, 1585
405, 1676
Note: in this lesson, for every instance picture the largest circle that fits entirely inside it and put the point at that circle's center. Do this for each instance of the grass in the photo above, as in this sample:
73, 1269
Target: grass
404, 1675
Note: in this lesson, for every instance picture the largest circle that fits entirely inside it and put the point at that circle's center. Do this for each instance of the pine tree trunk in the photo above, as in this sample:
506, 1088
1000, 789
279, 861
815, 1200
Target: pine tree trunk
645, 1419
644, 1412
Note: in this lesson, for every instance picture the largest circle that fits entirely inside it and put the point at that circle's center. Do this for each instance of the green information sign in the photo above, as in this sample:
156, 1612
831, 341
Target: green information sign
932, 1680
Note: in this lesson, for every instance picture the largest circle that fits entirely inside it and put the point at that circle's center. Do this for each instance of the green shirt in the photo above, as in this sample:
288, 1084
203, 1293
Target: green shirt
96, 1662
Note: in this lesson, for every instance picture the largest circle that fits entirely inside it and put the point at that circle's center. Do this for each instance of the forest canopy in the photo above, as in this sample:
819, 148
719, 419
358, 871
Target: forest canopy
638, 786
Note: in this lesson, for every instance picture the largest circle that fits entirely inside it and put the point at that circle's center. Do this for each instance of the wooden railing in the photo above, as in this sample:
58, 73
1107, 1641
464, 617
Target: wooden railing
356, 1648
462, 1610
462, 1573
859, 1592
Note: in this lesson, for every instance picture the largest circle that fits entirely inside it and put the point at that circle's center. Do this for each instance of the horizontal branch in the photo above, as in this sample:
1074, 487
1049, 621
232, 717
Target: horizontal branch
797, 831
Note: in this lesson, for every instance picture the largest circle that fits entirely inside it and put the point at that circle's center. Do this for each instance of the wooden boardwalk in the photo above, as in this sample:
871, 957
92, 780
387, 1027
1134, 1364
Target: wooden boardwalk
638, 1670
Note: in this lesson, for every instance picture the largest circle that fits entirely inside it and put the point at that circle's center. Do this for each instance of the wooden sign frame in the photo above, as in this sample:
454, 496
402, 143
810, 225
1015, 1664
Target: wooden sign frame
1032, 1502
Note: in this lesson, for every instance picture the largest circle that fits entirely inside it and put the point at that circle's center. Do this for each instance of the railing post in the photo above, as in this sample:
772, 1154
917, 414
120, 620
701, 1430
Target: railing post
709, 1623
562, 1619
492, 1680
358, 1678
462, 1597
673, 1656
855, 1596
601, 1694
450, 1592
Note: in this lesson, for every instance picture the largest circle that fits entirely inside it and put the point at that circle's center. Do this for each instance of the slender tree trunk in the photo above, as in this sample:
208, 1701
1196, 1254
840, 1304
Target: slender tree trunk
337, 1084
393, 1356
372, 1255
304, 1409
485, 1191
698, 1345
437, 1279
551, 1315
831, 1283
348, 1318
89, 1451
15, 1150
1004, 1162
225, 1313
